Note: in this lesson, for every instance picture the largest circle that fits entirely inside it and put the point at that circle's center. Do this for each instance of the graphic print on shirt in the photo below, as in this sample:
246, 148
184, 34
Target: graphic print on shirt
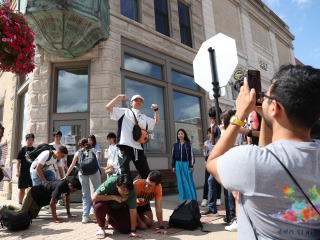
300, 210
145, 197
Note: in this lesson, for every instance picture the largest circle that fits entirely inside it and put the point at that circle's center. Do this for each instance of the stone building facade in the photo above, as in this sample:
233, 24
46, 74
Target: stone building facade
148, 52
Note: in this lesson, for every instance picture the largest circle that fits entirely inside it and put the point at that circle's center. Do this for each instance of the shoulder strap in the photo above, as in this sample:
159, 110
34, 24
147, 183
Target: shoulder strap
247, 215
294, 180
135, 118
50, 155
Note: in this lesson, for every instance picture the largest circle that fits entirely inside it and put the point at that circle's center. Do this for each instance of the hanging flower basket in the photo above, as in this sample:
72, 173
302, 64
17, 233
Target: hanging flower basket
16, 42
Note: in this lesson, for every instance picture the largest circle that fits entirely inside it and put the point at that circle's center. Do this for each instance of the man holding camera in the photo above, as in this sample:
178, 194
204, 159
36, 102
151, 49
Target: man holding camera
271, 204
131, 150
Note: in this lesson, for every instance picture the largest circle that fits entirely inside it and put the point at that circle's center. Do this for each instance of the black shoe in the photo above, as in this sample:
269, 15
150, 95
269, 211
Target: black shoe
210, 213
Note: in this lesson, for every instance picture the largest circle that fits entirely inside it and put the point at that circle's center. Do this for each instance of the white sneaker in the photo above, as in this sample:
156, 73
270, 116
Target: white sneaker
47, 208
218, 202
233, 227
204, 202
85, 219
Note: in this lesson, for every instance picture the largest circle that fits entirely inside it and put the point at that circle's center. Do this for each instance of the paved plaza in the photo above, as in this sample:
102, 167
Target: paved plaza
44, 228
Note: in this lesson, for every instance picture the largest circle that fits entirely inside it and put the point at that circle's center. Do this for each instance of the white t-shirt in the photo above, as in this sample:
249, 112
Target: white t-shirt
63, 160
126, 126
48, 165
112, 155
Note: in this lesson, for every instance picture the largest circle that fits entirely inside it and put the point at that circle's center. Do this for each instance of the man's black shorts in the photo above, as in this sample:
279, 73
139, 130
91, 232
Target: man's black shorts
24, 180
144, 208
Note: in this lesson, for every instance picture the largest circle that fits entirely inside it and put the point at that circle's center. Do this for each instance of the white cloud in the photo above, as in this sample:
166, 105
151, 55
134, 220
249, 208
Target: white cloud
301, 3
191, 112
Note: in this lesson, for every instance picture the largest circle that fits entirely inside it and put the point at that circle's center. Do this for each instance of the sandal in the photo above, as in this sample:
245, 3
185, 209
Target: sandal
100, 234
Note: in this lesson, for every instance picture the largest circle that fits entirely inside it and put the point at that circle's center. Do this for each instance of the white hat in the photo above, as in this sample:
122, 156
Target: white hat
137, 96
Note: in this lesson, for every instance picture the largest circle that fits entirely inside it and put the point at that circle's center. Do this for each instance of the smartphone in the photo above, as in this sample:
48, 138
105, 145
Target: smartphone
254, 81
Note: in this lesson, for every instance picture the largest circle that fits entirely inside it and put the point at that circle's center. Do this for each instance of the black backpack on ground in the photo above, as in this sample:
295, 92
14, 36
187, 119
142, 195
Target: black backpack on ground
31, 156
87, 161
186, 216
14, 221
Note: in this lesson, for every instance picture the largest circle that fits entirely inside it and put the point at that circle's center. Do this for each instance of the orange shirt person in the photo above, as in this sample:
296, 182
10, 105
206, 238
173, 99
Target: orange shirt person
147, 190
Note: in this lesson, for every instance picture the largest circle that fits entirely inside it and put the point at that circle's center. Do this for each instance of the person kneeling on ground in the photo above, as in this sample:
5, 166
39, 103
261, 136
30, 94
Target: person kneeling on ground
148, 189
49, 193
117, 198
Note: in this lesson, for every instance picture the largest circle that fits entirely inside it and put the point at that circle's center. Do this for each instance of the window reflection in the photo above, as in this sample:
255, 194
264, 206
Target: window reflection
72, 93
129, 9
143, 67
184, 22
23, 117
187, 116
151, 94
161, 16
183, 80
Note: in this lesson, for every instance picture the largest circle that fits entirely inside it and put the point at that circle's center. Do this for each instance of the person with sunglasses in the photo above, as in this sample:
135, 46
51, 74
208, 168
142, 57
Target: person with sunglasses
278, 181
147, 190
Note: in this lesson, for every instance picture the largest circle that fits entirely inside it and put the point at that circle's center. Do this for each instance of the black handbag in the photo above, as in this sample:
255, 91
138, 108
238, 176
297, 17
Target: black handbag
139, 134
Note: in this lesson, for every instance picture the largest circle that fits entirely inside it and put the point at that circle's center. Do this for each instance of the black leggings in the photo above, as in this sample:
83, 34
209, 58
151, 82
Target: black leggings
127, 155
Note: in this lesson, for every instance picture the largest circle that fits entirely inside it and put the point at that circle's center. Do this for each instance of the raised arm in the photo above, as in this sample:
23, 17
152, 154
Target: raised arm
111, 104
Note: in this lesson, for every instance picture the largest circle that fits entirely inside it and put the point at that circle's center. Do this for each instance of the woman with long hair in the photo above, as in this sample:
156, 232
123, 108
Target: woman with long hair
182, 164
95, 179
93, 144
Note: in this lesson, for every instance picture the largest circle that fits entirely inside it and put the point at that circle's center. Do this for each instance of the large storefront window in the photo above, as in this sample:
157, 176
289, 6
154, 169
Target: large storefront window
143, 67
72, 92
151, 94
183, 80
70, 108
178, 97
187, 116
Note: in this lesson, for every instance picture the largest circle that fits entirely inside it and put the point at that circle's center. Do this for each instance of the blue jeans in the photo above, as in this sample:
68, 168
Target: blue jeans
86, 192
48, 174
232, 204
212, 195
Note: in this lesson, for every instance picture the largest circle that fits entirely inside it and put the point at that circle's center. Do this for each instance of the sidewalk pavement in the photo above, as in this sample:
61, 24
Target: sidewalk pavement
44, 228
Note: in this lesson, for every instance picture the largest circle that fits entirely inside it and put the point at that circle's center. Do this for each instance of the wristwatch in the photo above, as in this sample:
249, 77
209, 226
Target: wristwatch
235, 121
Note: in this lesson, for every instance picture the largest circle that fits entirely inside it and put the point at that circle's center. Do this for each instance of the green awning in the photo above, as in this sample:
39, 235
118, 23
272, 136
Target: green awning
68, 28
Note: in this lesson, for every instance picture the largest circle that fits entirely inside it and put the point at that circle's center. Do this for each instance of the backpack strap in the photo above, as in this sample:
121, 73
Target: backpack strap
135, 118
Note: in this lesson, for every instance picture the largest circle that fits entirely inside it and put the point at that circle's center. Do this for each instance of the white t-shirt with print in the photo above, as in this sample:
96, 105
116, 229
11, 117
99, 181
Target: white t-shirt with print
48, 165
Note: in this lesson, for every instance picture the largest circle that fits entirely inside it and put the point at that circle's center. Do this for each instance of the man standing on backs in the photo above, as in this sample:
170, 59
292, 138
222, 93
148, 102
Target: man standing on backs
49, 193
131, 150
148, 189
271, 204
42, 168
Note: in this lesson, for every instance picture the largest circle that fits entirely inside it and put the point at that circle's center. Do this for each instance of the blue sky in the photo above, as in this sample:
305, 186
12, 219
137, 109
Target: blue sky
303, 19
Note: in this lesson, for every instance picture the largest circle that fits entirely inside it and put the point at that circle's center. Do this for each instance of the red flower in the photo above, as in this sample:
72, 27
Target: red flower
16, 44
